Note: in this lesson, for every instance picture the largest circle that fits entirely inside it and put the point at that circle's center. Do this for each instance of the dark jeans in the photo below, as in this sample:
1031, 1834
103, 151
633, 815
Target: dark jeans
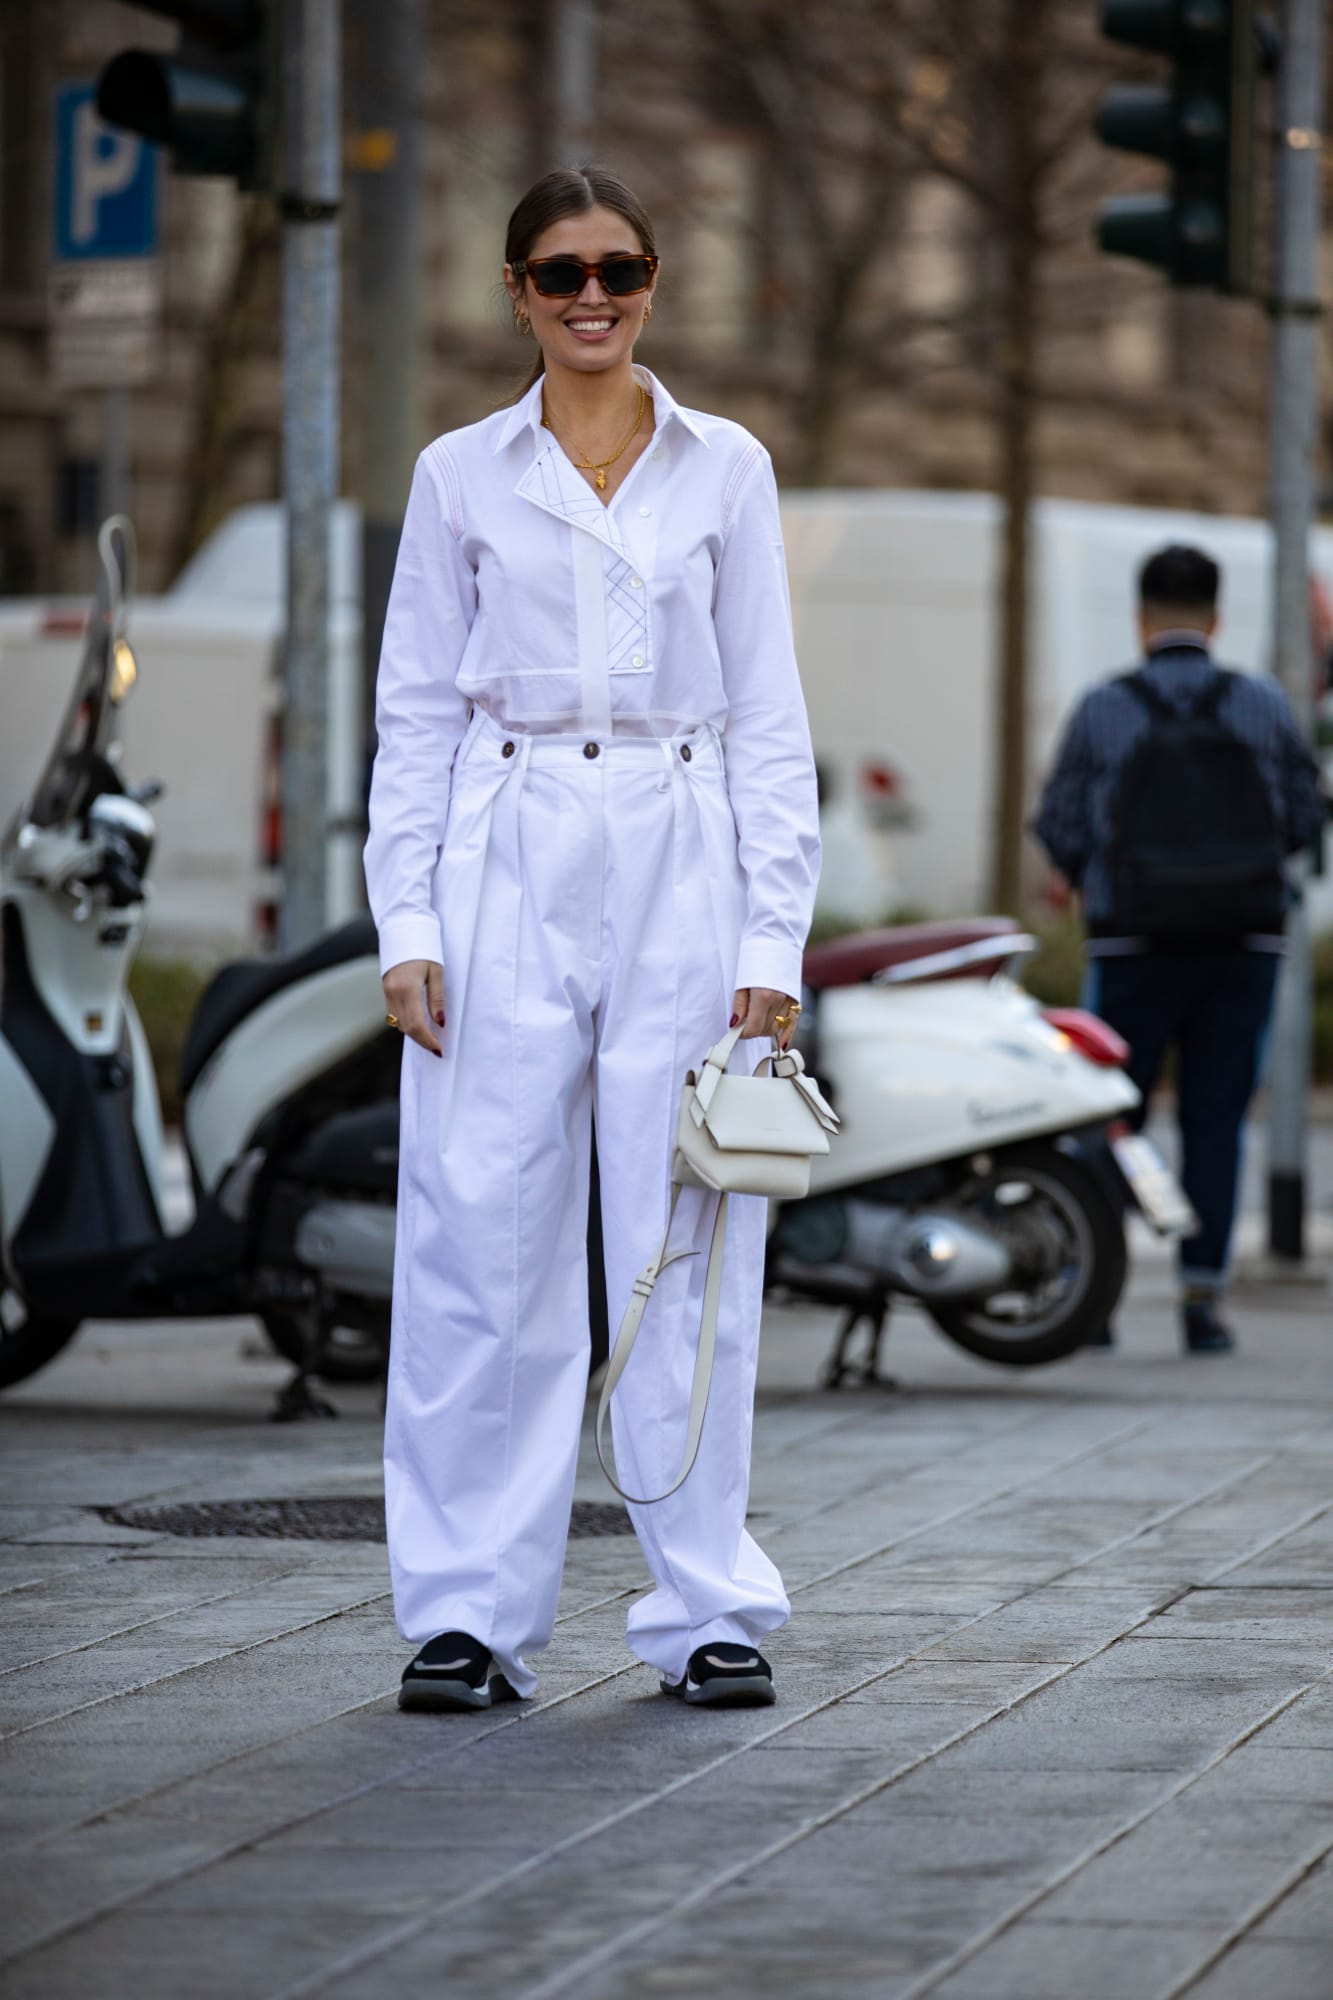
1214, 1010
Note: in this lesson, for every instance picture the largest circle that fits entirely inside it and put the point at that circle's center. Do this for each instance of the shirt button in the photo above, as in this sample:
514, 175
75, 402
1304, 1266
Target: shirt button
591, 749
636, 583
658, 453
644, 512
685, 752
508, 750
638, 660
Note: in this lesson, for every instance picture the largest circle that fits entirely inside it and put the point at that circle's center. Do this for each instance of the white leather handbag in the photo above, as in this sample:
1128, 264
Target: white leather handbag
740, 1135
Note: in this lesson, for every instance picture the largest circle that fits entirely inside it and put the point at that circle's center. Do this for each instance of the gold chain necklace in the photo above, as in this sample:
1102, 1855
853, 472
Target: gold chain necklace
599, 465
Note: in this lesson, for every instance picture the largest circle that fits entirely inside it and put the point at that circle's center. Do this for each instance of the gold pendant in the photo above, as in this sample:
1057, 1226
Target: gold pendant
600, 482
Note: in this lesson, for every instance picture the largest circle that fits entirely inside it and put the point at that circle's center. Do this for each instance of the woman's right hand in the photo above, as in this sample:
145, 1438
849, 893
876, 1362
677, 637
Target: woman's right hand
414, 992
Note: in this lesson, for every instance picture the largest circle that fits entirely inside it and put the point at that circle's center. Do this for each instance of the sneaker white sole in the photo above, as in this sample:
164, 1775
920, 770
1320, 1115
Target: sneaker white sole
456, 1695
732, 1691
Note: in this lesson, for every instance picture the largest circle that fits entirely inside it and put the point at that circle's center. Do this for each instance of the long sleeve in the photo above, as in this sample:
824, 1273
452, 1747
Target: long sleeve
420, 717
770, 765
1063, 822
1303, 798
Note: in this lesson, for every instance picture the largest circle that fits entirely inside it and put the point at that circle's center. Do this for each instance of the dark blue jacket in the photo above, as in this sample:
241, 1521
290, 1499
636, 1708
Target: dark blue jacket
1074, 820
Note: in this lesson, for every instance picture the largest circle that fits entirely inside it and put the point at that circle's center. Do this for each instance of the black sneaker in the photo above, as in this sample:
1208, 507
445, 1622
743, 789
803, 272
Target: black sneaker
1204, 1332
735, 1675
453, 1671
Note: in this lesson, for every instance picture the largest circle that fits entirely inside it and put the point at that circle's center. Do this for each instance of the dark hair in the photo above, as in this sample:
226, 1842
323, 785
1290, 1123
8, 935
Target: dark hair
1179, 579
571, 191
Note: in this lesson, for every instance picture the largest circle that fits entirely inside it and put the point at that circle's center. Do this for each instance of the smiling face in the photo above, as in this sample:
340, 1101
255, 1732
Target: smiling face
592, 331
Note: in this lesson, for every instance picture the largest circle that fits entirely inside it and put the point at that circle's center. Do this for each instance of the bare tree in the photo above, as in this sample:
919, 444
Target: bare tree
998, 129
820, 83
855, 101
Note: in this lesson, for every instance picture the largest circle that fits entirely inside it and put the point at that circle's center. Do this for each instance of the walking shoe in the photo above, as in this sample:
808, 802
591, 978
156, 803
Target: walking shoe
734, 1675
1204, 1332
453, 1671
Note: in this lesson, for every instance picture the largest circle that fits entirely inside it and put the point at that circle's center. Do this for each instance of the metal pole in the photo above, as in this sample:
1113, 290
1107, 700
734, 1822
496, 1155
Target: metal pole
114, 494
575, 67
1292, 447
389, 69
312, 139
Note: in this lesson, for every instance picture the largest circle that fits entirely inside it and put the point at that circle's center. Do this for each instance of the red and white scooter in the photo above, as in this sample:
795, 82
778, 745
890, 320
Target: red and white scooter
984, 1162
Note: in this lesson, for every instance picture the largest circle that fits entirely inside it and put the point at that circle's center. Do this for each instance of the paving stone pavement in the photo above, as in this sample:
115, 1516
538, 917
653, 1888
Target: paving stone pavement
1056, 1712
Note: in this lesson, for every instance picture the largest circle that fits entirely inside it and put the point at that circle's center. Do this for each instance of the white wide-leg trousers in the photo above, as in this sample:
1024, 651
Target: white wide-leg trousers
591, 900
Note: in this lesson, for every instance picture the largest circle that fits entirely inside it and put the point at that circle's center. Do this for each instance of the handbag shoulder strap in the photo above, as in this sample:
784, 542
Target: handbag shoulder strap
703, 1359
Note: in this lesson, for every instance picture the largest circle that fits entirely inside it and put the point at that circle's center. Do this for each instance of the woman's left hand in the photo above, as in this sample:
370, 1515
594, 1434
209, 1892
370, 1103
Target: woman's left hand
758, 1007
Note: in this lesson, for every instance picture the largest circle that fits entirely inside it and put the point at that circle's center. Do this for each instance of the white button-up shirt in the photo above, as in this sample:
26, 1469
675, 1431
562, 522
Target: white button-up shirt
519, 591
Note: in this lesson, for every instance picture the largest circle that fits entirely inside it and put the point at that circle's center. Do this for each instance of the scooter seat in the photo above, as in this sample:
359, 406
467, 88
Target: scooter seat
850, 961
237, 989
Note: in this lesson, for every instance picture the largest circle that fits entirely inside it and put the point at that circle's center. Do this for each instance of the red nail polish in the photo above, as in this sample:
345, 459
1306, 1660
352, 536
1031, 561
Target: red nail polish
735, 1021
439, 1018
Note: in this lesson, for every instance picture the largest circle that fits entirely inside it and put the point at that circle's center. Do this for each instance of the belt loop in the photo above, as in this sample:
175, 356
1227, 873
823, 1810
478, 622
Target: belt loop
667, 747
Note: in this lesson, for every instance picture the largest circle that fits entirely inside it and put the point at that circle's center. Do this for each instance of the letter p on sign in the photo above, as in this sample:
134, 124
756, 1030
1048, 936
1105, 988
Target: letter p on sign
106, 183
105, 163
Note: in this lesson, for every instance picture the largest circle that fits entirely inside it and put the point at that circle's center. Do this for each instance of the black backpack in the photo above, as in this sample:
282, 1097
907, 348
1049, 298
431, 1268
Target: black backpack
1195, 846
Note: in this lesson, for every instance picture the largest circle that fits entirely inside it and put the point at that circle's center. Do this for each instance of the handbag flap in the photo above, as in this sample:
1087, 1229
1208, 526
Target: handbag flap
753, 1114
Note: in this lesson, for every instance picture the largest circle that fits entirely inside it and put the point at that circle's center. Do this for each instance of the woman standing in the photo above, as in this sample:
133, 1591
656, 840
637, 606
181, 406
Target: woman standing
592, 841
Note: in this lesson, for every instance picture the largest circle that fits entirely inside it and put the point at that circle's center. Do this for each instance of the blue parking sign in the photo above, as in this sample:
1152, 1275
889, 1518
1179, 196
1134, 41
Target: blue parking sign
106, 183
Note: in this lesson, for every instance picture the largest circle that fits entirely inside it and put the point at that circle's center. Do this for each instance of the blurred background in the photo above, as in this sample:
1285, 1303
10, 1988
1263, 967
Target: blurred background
876, 219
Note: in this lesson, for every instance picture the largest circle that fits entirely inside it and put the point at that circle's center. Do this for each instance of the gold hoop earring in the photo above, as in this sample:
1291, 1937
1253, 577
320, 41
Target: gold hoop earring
647, 312
522, 323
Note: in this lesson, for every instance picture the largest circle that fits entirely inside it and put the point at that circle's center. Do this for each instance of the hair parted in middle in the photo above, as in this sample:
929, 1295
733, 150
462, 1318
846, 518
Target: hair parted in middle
571, 191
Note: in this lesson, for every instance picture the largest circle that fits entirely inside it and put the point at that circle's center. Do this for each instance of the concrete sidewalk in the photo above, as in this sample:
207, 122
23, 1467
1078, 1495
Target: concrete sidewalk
1055, 1718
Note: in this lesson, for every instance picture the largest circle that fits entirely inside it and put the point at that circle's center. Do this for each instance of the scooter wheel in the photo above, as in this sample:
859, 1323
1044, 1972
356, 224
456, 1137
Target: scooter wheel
1068, 1242
27, 1342
345, 1356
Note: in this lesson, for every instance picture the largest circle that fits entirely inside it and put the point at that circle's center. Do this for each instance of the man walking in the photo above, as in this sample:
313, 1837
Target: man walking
1177, 794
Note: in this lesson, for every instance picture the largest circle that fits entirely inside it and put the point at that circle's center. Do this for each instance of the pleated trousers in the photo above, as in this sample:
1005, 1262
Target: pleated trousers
591, 901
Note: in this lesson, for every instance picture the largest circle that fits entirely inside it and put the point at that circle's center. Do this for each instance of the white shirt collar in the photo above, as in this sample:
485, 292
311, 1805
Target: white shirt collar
526, 414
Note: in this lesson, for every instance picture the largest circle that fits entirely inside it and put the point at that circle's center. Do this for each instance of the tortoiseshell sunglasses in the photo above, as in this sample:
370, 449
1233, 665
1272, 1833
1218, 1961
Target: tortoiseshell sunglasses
565, 277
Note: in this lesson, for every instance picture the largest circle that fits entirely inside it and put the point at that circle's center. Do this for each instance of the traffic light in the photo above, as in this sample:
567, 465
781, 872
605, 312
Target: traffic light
213, 102
1202, 123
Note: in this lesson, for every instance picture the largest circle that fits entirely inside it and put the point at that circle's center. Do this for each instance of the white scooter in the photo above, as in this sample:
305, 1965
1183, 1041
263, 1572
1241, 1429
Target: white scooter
984, 1162
287, 1069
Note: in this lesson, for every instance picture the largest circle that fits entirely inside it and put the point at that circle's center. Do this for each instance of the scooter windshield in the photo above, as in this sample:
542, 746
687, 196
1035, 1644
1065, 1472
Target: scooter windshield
78, 768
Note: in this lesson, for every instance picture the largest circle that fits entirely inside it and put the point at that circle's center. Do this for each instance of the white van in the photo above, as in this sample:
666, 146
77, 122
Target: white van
893, 596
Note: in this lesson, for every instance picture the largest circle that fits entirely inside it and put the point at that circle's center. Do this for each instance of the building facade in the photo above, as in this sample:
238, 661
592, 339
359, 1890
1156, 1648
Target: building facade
835, 258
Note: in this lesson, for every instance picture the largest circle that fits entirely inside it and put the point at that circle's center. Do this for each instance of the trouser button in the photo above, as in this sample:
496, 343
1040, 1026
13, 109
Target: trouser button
592, 749
508, 750
685, 753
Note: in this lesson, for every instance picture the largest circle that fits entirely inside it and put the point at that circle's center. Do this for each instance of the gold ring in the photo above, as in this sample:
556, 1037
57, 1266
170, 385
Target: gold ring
782, 1020
392, 1020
